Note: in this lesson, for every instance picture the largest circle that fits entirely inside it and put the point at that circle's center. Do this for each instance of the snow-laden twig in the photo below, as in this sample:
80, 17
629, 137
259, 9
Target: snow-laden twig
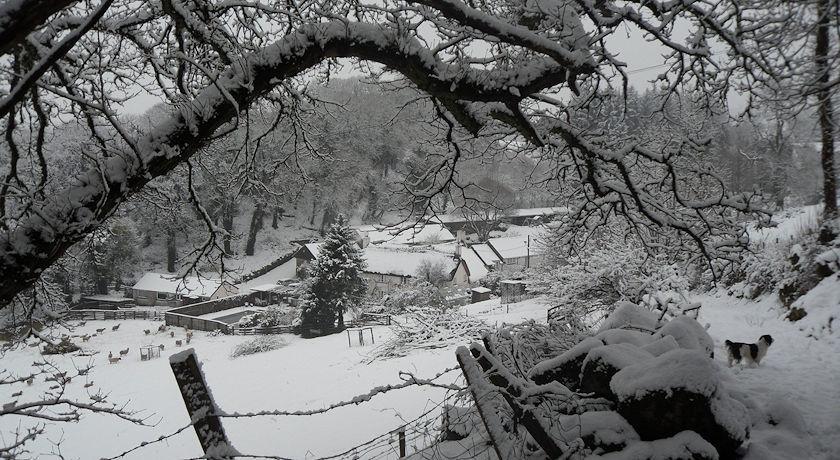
429, 328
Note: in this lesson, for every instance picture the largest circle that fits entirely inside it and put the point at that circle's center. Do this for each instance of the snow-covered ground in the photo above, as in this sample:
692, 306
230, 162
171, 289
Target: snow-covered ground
305, 374
314, 373
797, 371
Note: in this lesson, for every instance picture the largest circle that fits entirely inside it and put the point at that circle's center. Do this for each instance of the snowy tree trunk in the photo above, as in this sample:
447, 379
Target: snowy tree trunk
227, 224
101, 284
171, 251
255, 227
825, 109
329, 218
275, 217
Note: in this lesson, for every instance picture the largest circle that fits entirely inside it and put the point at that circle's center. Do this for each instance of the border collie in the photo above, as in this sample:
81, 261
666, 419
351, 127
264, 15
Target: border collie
751, 353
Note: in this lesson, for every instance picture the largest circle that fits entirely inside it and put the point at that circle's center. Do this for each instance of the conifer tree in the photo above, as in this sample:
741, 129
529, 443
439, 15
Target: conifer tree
335, 281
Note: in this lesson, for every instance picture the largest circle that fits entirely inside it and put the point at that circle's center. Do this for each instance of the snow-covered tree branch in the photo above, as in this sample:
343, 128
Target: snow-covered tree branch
211, 70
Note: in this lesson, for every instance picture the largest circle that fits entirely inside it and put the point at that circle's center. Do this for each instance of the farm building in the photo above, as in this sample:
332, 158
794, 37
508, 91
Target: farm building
389, 267
166, 290
272, 294
487, 255
516, 252
520, 216
471, 267
407, 235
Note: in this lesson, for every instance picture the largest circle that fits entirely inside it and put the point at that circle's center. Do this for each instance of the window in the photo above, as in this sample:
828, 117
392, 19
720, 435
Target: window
161, 296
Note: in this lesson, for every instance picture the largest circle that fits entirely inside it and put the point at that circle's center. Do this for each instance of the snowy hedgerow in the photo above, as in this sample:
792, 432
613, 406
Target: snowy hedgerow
258, 344
335, 282
274, 315
615, 269
420, 294
433, 272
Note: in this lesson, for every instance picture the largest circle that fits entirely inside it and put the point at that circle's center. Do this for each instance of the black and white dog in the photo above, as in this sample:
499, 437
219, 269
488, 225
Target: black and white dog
751, 353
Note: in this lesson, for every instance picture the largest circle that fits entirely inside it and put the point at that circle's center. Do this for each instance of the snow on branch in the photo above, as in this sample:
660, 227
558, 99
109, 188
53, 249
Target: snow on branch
40, 238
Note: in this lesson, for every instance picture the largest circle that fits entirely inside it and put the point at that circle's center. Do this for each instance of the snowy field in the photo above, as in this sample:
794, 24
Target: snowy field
314, 373
305, 374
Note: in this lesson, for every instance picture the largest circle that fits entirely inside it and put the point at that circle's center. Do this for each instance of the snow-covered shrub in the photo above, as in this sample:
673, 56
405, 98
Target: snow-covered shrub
433, 272
596, 278
258, 344
491, 281
521, 346
274, 315
421, 294
428, 328
60, 348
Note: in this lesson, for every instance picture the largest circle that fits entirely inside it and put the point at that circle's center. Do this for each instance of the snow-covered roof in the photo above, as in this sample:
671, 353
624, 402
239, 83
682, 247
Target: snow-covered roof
486, 254
475, 265
264, 288
534, 212
191, 286
391, 261
427, 234
512, 247
313, 248
107, 298
520, 212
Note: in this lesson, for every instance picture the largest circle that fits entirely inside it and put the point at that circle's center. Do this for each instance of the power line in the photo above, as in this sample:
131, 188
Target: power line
644, 69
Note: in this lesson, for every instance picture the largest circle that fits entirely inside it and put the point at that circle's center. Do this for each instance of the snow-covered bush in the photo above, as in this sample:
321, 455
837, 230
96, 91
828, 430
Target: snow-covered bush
258, 344
427, 328
421, 294
491, 281
433, 272
274, 315
521, 346
589, 283
788, 266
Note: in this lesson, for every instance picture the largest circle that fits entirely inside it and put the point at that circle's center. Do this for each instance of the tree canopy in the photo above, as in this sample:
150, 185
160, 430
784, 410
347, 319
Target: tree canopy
518, 71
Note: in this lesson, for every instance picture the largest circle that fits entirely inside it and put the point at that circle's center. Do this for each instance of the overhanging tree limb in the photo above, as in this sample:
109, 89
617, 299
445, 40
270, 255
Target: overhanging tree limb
42, 238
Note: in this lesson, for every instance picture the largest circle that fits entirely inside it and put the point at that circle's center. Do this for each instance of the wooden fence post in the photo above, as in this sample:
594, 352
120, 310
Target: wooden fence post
512, 391
199, 403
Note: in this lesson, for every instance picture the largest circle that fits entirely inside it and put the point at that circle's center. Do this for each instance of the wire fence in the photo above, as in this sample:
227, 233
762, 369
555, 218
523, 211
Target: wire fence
418, 434
114, 314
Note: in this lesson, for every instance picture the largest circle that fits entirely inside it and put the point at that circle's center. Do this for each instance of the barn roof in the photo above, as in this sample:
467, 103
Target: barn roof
426, 234
390, 261
512, 247
190, 286
475, 266
486, 254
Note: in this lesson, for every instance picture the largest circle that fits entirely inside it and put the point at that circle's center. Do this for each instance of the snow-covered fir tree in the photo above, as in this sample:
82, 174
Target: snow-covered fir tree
335, 281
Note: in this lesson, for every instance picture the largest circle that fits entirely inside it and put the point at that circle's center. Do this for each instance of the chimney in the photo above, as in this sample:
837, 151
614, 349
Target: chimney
461, 236
365, 241
458, 250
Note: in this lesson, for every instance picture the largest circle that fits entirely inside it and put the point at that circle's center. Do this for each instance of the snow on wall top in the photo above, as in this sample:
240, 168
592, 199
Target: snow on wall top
191, 286
682, 368
689, 370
